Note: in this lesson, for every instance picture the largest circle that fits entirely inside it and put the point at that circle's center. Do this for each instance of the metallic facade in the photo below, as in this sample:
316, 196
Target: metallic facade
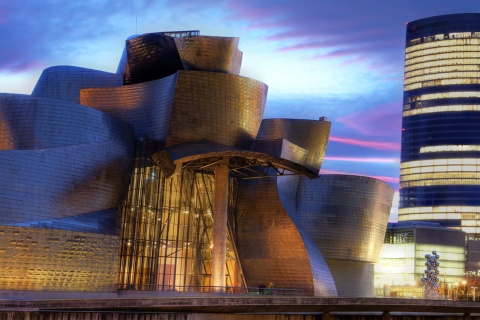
62, 178
112, 181
310, 135
346, 217
439, 176
146, 106
214, 54
65, 82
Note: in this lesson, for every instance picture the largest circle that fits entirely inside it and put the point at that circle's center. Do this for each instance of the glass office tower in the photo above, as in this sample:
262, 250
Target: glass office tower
440, 160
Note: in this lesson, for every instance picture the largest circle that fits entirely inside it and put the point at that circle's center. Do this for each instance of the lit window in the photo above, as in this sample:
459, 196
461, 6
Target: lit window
451, 108
450, 148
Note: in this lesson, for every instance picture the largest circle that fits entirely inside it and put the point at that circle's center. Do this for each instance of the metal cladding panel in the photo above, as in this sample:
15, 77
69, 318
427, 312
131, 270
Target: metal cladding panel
345, 215
150, 57
322, 278
146, 106
270, 247
62, 182
281, 148
307, 134
38, 123
59, 159
216, 107
54, 260
205, 53
353, 278
65, 82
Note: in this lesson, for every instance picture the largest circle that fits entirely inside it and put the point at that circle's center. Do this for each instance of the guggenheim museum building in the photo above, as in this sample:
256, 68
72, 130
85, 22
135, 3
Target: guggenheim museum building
164, 176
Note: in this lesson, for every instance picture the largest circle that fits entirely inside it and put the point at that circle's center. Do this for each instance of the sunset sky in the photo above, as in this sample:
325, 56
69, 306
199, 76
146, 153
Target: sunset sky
341, 59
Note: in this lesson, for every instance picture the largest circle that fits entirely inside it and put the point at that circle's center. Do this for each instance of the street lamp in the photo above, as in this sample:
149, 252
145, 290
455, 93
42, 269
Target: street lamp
474, 292
456, 291
464, 282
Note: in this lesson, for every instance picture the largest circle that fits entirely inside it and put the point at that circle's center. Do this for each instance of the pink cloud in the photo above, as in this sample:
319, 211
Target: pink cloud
363, 159
379, 145
384, 120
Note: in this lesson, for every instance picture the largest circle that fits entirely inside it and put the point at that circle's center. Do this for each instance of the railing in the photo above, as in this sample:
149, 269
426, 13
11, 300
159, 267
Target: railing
182, 34
212, 289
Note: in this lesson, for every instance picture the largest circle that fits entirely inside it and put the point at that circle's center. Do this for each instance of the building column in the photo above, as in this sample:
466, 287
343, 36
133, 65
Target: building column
220, 210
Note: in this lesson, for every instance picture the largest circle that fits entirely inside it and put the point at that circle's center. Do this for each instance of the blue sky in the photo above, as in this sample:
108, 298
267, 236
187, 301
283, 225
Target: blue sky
341, 59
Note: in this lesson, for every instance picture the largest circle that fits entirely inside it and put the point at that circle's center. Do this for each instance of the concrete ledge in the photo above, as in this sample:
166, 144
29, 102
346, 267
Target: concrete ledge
241, 304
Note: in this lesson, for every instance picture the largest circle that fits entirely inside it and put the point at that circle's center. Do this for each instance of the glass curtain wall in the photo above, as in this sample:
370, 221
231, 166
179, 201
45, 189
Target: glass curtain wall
440, 157
167, 226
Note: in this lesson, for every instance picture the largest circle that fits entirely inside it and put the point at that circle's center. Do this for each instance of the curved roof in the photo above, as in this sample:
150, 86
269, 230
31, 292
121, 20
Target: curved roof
243, 163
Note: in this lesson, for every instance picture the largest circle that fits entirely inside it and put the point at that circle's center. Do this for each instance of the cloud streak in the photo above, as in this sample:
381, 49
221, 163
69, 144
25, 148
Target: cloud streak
363, 159
392, 146
383, 120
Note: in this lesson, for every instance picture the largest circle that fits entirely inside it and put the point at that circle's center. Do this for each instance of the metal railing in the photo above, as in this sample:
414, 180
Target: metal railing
212, 289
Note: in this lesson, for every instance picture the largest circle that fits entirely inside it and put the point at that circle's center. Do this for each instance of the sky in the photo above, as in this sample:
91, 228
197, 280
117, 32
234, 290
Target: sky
341, 59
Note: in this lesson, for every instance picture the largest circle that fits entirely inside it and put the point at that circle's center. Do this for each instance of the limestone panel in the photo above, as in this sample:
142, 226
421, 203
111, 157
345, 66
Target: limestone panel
53, 260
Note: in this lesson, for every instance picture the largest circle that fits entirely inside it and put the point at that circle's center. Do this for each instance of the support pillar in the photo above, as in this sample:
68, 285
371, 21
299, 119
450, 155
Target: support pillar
220, 210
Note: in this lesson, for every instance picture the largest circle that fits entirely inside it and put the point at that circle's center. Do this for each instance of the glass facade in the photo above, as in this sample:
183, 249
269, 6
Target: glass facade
440, 158
167, 225
401, 262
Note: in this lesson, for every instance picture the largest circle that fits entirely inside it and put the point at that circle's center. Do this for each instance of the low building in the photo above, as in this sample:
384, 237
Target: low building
402, 260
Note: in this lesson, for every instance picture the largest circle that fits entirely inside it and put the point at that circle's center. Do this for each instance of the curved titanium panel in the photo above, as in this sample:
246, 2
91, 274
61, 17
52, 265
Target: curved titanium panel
345, 215
282, 147
322, 278
146, 106
216, 107
151, 56
65, 82
61, 159
61, 182
353, 278
271, 248
56, 260
307, 134
38, 123
206, 53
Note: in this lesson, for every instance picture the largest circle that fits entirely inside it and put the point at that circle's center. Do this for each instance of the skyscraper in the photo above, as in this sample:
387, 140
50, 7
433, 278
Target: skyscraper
440, 158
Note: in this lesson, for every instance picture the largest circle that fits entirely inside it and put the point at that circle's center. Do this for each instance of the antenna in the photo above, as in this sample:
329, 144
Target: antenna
136, 24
